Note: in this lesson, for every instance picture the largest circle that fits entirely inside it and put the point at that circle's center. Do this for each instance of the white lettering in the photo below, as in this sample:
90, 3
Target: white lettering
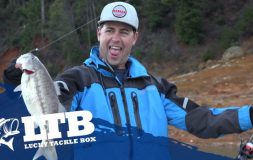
53, 123
29, 130
78, 122
74, 124
88, 139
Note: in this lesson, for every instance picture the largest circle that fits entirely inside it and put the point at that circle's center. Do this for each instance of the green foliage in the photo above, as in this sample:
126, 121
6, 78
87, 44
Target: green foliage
245, 23
137, 53
11, 19
189, 21
208, 55
21, 26
242, 27
60, 23
28, 17
213, 8
220, 20
228, 36
83, 14
31, 24
154, 11
168, 2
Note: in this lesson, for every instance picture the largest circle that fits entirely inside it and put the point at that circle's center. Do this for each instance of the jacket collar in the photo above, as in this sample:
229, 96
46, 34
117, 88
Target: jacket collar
136, 69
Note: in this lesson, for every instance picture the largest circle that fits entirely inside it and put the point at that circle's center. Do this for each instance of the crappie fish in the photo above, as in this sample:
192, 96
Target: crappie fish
8, 128
40, 95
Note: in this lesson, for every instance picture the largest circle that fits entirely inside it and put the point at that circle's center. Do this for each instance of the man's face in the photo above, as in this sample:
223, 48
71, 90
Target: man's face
116, 41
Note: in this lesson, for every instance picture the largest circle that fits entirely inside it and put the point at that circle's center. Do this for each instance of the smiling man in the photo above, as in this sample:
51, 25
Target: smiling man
116, 41
119, 34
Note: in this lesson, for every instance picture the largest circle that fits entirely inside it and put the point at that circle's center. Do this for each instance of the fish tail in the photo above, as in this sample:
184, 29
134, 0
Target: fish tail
49, 152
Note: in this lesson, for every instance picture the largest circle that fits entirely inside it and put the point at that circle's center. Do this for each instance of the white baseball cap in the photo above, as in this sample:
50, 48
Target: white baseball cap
120, 12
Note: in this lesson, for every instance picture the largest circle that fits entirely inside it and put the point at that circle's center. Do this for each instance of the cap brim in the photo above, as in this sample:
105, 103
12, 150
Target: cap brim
100, 22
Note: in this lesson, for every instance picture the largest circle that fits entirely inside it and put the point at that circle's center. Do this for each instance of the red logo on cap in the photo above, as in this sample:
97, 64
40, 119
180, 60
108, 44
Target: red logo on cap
119, 11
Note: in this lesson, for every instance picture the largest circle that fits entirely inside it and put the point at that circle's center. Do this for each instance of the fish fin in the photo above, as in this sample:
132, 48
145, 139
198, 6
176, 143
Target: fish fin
10, 143
18, 88
39, 153
57, 86
61, 108
48, 152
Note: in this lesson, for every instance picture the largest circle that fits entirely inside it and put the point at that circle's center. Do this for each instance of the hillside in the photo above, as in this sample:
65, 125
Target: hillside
221, 84
179, 32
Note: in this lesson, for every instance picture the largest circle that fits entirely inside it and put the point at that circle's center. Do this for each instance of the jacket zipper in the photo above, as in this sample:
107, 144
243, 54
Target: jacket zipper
128, 124
115, 112
136, 112
125, 106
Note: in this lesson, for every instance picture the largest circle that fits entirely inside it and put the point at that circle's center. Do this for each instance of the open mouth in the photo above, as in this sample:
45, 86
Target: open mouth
115, 50
28, 71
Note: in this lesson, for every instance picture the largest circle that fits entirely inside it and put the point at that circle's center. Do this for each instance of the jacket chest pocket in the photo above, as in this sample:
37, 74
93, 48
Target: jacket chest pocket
136, 112
115, 113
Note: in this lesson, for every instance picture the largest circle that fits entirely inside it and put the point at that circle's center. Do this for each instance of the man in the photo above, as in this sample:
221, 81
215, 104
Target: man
116, 88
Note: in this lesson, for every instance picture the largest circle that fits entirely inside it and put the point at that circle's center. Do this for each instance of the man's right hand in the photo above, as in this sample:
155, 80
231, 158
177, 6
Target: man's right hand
12, 75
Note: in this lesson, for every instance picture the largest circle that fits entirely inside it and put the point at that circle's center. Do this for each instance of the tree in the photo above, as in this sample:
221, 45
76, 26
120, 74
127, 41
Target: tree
189, 21
43, 17
61, 22
154, 11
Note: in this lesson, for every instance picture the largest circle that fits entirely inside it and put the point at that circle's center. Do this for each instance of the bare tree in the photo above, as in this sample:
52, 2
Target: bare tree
88, 26
43, 17
43, 21
94, 13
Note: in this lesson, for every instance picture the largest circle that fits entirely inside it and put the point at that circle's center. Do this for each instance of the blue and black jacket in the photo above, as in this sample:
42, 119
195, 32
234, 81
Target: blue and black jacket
145, 102
140, 105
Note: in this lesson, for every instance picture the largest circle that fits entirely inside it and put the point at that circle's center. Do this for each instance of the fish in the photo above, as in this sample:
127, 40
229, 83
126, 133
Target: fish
8, 127
40, 95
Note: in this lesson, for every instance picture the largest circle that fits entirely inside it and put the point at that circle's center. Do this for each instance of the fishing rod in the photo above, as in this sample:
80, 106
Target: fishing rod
246, 149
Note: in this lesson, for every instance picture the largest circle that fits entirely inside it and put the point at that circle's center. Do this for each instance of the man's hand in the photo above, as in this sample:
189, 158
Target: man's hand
12, 75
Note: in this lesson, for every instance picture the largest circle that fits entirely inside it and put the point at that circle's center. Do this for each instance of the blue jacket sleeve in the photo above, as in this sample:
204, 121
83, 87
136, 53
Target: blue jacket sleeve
207, 122
202, 121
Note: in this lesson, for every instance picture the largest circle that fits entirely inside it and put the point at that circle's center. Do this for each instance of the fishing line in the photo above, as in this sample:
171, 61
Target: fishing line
63, 36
